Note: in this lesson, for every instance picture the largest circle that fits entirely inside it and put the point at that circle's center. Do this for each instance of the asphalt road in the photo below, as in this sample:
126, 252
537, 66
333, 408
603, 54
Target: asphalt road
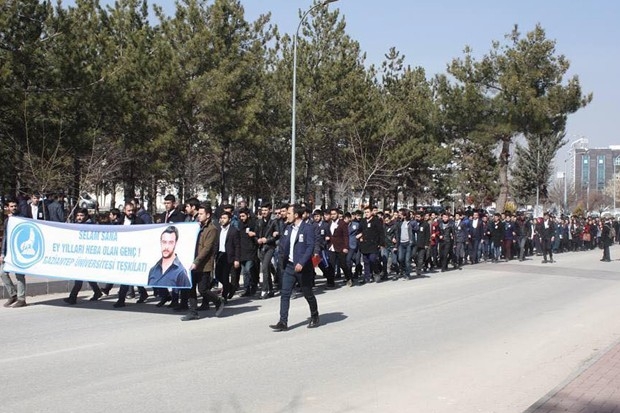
489, 338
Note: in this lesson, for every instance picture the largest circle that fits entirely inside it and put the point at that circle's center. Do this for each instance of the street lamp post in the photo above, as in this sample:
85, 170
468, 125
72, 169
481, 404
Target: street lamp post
613, 181
293, 121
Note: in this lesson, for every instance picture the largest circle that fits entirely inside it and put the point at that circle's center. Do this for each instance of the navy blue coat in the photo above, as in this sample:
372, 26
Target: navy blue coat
303, 248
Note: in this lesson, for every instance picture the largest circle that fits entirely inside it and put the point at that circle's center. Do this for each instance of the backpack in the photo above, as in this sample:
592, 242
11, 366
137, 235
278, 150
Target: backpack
612, 233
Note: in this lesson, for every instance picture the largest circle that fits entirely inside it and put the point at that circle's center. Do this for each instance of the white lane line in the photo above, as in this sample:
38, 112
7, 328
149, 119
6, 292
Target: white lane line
50, 353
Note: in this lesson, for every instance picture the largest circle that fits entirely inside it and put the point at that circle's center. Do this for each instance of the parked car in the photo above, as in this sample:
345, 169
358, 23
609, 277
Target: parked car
87, 201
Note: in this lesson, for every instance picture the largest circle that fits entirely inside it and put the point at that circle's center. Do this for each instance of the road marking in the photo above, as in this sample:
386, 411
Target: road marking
50, 353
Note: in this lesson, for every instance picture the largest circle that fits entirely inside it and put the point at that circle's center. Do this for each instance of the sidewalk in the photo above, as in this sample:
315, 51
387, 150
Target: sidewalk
40, 286
596, 389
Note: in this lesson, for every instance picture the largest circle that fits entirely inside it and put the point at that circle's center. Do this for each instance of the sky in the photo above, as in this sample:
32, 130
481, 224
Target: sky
432, 33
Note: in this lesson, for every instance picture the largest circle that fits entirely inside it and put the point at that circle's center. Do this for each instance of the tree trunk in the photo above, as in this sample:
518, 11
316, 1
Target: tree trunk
224, 173
504, 158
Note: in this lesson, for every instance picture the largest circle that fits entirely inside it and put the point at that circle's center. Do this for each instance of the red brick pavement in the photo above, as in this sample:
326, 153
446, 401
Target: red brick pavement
594, 390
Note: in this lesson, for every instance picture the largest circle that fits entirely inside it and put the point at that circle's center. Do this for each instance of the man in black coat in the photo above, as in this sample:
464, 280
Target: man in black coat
36, 209
82, 217
547, 236
267, 237
371, 238
496, 236
447, 237
228, 254
248, 250
423, 242
130, 218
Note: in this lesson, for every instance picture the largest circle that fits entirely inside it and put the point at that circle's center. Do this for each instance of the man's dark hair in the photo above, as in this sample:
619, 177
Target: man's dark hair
244, 211
266, 205
115, 211
228, 206
333, 210
298, 210
172, 230
367, 208
170, 197
206, 207
228, 214
284, 205
193, 202
347, 215
129, 203
317, 212
82, 211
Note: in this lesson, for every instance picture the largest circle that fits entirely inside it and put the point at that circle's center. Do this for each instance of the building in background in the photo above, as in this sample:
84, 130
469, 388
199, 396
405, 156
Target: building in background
592, 171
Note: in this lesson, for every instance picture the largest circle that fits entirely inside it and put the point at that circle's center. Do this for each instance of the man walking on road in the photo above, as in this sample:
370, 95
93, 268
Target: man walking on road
296, 249
17, 294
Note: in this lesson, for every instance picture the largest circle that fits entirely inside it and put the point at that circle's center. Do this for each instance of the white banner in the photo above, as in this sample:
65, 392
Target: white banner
158, 255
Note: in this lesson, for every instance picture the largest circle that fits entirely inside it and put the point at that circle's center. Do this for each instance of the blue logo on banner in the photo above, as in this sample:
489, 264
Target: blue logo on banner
27, 247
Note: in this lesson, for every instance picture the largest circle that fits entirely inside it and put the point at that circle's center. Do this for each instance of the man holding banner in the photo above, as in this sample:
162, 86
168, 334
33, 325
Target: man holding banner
82, 217
130, 219
17, 296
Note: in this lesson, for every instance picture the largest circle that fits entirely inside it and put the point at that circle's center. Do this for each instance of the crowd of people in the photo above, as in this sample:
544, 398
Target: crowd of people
258, 254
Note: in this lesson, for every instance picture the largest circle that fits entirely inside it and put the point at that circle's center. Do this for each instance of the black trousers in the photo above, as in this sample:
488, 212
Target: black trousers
122, 292
77, 286
201, 283
445, 253
341, 259
222, 273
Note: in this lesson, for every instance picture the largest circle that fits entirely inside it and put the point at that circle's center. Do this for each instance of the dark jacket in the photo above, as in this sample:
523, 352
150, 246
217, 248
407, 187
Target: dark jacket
135, 220
206, 247
42, 213
372, 235
233, 244
496, 231
303, 247
354, 228
476, 233
447, 232
340, 237
423, 235
461, 231
247, 244
175, 216
56, 212
265, 229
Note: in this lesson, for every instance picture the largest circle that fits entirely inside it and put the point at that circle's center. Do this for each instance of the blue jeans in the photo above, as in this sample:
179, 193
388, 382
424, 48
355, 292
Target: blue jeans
496, 249
246, 271
289, 279
404, 259
370, 262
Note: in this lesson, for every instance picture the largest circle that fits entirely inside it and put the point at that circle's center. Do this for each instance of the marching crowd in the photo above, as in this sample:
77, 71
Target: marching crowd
279, 250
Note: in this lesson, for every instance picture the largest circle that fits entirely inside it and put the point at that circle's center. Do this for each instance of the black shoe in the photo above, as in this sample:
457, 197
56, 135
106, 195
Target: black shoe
248, 293
19, 303
280, 326
219, 307
96, 296
173, 304
70, 300
119, 304
105, 291
10, 301
131, 295
231, 294
544, 261
204, 306
192, 315
164, 300
314, 322
142, 299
